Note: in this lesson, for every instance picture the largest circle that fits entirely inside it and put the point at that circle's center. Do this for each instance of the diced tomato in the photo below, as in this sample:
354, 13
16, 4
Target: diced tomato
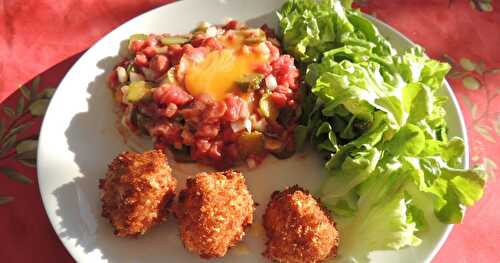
202, 146
236, 109
279, 99
197, 40
205, 99
208, 131
265, 69
212, 44
215, 150
141, 60
174, 54
285, 71
215, 111
170, 93
273, 51
168, 132
232, 24
285, 91
149, 51
137, 45
186, 48
159, 64
170, 110
151, 41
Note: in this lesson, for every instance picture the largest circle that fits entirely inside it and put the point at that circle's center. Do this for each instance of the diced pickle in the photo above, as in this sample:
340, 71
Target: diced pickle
249, 143
250, 82
202, 27
174, 40
134, 37
267, 108
169, 77
138, 90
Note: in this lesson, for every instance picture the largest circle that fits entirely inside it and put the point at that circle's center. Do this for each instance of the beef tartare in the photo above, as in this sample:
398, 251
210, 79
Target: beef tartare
219, 95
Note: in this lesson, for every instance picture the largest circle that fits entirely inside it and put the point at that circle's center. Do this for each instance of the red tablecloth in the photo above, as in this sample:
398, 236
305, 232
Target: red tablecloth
41, 40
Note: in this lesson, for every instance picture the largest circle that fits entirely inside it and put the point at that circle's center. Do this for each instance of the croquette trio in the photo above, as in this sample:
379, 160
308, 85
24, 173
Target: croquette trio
213, 210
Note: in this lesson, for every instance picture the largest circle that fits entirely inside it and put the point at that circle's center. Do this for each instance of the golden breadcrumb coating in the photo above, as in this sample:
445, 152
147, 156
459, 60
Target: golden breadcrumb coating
213, 211
298, 228
137, 191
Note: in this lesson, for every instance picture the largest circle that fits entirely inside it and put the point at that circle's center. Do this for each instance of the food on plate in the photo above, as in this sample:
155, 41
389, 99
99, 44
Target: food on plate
299, 229
137, 192
220, 95
378, 117
213, 212
226, 94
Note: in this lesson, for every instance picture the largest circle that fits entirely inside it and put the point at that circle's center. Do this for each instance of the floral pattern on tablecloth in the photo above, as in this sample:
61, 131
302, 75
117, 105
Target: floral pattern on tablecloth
19, 127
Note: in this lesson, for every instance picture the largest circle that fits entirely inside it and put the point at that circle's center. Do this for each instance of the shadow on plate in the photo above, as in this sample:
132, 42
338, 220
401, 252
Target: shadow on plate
94, 141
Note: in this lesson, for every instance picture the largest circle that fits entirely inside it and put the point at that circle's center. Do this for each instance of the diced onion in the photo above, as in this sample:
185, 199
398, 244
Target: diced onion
211, 31
203, 25
148, 73
263, 49
124, 90
271, 83
238, 126
136, 77
121, 73
260, 125
248, 125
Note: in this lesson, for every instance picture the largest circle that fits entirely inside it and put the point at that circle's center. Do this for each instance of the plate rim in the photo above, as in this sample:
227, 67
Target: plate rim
42, 134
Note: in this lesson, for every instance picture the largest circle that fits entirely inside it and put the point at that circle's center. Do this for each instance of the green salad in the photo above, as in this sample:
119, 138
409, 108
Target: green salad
375, 113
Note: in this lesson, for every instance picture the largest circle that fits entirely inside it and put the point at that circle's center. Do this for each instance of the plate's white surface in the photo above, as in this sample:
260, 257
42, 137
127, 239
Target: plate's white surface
78, 139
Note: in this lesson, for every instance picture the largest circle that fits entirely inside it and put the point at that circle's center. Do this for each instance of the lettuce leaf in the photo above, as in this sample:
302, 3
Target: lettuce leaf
376, 116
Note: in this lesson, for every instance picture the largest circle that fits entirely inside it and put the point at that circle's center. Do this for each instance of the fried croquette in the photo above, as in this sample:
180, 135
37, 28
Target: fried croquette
137, 192
213, 212
298, 228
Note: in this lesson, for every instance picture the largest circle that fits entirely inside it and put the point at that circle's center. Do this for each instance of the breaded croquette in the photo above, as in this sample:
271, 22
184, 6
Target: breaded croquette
298, 228
213, 211
137, 191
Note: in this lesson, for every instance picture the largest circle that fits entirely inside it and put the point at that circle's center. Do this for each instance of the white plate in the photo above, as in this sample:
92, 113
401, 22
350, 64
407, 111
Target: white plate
78, 139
